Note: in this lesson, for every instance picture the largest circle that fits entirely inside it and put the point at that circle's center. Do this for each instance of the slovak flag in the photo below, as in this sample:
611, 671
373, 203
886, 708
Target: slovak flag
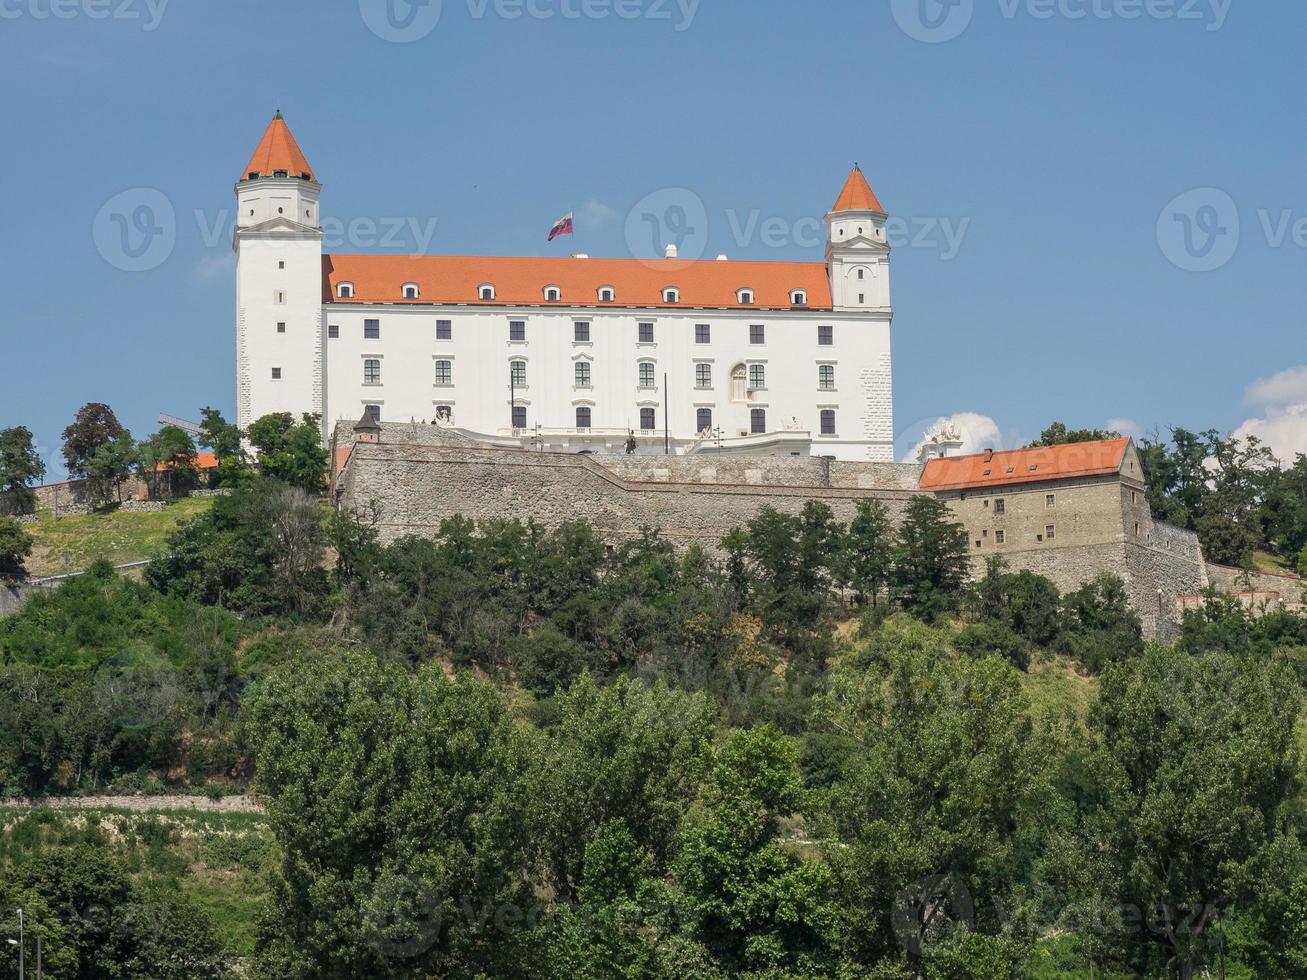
563, 226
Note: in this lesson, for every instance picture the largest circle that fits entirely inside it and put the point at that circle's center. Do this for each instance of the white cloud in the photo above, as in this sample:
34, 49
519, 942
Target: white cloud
1127, 427
1282, 390
212, 267
596, 214
977, 433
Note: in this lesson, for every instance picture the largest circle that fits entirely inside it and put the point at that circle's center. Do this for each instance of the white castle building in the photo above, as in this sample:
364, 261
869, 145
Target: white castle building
572, 354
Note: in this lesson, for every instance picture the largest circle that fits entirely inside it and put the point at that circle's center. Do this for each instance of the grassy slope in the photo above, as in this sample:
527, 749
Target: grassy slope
113, 535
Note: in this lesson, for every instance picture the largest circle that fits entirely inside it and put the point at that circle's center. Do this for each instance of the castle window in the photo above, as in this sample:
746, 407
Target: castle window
583, 374
519, 416
517, 331
1000, 537
1000, 506
281, 326
862, 298
345, 290
279, 297
757, 421
281, 265
444, 413
333, 331
281, 173
826, 377
744, 297
373, 412
276, 374
757, 333
827, 422
444, 329
703, 375
825, 336
671, 295
486, 291
371, 329
444, 372
581, 331
739, 383
757, 376
410, 290
862, 273
517, 373
646, 333
703, 419
702, 333
1049, 500
582, 417
553, 294
1050, 532
606, 294
799, 297
371, 371
647, 374
647, 419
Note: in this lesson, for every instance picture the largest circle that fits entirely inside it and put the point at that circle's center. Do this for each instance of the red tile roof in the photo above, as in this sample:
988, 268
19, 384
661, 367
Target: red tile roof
277, 151
857, 194
1024, 466
203, 461
447, 279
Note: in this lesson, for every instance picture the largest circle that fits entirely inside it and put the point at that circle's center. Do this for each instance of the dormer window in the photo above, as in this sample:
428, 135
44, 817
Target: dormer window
486, 291
671, 295
606, 294
410, 290
744, 297
799, 297
281, 173
345, 290
553, 294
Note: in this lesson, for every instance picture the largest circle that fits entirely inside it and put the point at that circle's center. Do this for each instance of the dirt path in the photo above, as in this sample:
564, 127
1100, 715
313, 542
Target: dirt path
226, 804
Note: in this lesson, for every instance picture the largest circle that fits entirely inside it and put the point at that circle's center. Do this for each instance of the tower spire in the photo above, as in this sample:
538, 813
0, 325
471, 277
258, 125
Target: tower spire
857, 194
278, 151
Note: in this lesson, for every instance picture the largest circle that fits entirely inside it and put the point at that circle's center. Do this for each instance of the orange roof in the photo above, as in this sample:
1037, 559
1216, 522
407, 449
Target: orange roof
857, 194
1076, 459
453, 279
203, 461
277, 151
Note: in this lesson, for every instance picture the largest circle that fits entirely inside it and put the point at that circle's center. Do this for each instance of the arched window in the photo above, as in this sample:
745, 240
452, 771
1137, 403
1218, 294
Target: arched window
757, 377
648, 374
486, 291
517, 373
553, 294
344, 290
582, 417
607, 294
739, 383
799, 297
410, 290
444, 372
583, 374
647, 419
744, 297
671, 295
371, 371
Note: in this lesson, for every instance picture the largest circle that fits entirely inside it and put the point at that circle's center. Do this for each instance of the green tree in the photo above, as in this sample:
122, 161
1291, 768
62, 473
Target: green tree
1099, 625
291, 451
224, 440
15, 545
20, 465
167, 458
111, 464
1196, 770
1026, 603
930, 559
753, 904
869, 551
93, 426
398, 806
1058, 434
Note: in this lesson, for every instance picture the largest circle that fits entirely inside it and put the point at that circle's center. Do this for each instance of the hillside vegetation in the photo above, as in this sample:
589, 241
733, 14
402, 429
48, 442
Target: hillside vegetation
73, 544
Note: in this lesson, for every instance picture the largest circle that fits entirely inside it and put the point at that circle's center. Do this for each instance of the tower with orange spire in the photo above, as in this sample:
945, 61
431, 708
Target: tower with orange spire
278, 245
857, 250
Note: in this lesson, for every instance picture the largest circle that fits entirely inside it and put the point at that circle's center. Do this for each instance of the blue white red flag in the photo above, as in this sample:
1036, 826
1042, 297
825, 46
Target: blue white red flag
563, 226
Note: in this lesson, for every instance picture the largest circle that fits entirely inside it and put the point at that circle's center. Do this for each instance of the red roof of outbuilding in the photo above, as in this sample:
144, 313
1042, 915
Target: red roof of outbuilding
278, 151
1076, 459
455, 279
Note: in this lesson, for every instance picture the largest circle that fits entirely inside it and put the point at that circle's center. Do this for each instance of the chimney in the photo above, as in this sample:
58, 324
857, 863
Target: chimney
671, 251
989, 455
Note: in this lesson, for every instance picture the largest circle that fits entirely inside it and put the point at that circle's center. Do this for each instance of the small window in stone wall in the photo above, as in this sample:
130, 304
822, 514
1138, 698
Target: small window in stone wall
1000, 506
1000, 537
1049, 500
1050, 532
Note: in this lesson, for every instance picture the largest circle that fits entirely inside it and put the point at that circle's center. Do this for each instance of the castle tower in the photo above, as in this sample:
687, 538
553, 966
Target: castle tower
278, 246
857, 252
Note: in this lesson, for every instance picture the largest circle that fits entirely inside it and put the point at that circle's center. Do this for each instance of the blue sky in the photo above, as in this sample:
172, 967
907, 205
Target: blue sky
1041, 154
